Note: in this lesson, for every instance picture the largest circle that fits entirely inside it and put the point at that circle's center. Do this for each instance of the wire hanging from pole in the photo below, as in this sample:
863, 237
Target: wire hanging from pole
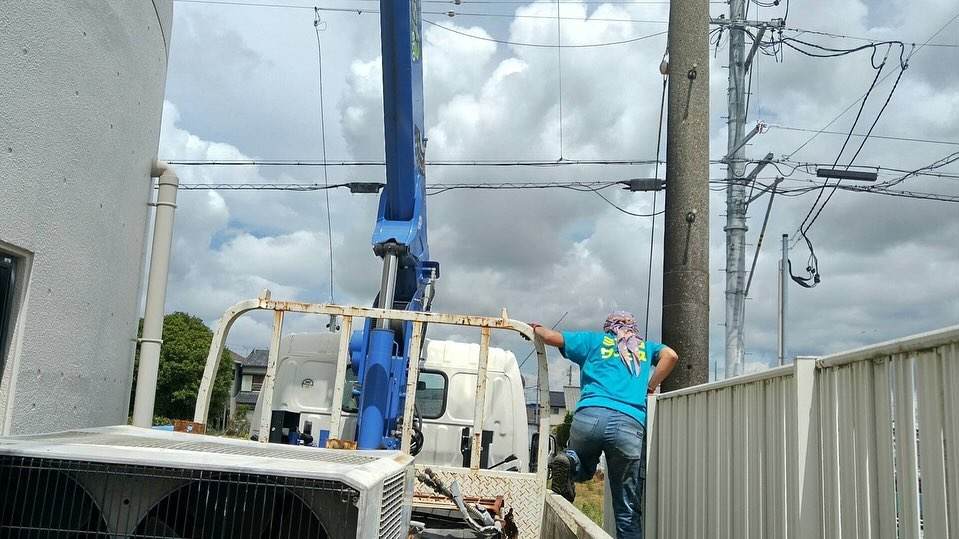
320, 25
652, 229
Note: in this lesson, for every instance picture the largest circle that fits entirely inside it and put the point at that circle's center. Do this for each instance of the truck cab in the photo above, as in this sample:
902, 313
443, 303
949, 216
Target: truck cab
445, 400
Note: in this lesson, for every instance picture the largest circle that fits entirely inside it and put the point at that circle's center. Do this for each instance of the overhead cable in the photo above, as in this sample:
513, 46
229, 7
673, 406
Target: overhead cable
883, 137
546, 45
439, 163
887, 75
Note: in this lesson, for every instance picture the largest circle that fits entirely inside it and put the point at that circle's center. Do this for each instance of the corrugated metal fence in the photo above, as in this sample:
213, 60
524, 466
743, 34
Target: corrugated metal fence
859, 444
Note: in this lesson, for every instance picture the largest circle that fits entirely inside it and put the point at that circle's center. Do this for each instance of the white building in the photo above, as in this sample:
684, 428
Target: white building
81, 87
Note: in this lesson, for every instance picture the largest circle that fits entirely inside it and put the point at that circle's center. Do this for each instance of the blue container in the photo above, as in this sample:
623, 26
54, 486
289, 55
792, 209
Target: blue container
324, 436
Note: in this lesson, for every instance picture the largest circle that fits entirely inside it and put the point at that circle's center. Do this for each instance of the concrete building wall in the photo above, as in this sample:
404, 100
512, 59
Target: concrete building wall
81, 93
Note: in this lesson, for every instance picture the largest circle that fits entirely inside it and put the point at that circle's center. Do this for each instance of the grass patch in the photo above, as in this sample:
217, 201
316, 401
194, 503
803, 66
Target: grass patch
589, 498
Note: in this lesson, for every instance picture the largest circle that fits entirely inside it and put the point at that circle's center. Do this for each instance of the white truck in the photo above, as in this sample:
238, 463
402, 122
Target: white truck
473, 476
445, 399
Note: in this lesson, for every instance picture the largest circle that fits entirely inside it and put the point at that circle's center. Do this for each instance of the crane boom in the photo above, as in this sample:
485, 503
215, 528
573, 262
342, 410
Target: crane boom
380, 354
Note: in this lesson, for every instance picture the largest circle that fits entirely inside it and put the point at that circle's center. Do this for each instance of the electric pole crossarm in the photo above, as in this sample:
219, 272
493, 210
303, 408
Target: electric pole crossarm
735, 149
759, 167
764, 191
752, 51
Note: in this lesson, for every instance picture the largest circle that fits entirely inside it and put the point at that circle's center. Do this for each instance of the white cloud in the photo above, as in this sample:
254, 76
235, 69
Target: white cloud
888, 264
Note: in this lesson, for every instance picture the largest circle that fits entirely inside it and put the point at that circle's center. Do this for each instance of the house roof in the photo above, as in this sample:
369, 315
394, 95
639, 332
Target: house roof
246, 397
236, 358
257, 358
557, 399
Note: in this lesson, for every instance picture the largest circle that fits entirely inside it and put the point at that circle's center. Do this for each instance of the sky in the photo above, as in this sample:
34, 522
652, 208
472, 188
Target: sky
246, 82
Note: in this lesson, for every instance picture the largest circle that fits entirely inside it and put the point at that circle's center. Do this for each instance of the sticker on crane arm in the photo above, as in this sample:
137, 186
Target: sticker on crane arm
416, 46
419, 148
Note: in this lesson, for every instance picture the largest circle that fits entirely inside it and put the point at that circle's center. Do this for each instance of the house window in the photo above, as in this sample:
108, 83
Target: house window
8, 275
257, 383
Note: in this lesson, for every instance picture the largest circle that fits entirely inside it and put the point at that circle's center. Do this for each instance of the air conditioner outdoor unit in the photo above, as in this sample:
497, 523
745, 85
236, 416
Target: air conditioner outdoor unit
134, 482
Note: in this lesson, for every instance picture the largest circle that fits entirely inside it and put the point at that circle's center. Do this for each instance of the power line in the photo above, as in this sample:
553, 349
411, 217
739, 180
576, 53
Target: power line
594, 186
951, 158
810, 168
449, 13
902, 70
531, 352
887, 75
816, 186
545, 45
447, 163
812, 265
883, 137
801, 31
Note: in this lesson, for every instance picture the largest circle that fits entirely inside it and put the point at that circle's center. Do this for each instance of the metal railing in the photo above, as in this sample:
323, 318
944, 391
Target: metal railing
524, 491
419, 319
863, 443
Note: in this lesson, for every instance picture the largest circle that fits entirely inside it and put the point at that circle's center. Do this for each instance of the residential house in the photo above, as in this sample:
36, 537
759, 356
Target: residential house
557, 409
248, 379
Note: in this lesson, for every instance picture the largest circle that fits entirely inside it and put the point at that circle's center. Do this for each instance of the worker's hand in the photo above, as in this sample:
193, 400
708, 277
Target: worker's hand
533, 325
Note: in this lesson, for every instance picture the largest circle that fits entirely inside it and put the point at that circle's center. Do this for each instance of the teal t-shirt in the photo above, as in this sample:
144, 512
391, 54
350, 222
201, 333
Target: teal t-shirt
604, 379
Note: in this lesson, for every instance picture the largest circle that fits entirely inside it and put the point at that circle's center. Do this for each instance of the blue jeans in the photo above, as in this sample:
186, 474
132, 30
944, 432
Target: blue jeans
598, 430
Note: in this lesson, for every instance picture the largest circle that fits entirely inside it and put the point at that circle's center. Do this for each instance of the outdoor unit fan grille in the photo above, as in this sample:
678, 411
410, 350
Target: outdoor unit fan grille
61, 498
391, 514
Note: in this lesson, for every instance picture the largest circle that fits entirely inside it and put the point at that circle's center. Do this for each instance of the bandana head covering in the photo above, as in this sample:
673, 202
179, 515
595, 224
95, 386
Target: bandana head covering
622, 324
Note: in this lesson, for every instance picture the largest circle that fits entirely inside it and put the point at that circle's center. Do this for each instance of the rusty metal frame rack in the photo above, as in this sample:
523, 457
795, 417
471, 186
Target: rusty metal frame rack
525, 492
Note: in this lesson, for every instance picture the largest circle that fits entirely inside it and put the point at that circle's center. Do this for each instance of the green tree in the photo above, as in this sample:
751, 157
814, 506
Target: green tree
562, 431
186, 343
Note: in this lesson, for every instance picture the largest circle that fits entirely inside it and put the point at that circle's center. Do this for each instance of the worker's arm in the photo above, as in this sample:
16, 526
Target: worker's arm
549, 336
667, 360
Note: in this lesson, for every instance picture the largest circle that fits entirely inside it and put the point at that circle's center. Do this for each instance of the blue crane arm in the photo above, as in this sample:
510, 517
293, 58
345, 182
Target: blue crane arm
380, 352
402, 210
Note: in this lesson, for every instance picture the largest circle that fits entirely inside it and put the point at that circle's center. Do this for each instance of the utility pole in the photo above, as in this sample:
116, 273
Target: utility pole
783, 281
735, 191
736, 204
686, 253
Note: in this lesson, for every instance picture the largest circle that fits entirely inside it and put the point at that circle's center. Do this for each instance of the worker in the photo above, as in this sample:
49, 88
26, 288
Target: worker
617, 373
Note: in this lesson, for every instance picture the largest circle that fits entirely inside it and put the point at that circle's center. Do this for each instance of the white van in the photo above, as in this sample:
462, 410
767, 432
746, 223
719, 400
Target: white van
445, 397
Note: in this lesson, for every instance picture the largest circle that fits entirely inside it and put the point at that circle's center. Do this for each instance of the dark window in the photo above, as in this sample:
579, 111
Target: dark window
431, 394
257, 382
8, 273
351, 404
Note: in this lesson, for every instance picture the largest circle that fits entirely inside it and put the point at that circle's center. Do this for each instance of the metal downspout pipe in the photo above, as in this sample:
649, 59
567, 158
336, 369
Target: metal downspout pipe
156, 294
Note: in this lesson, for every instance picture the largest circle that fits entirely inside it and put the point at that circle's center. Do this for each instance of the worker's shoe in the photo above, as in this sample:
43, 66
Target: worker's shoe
561, 468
